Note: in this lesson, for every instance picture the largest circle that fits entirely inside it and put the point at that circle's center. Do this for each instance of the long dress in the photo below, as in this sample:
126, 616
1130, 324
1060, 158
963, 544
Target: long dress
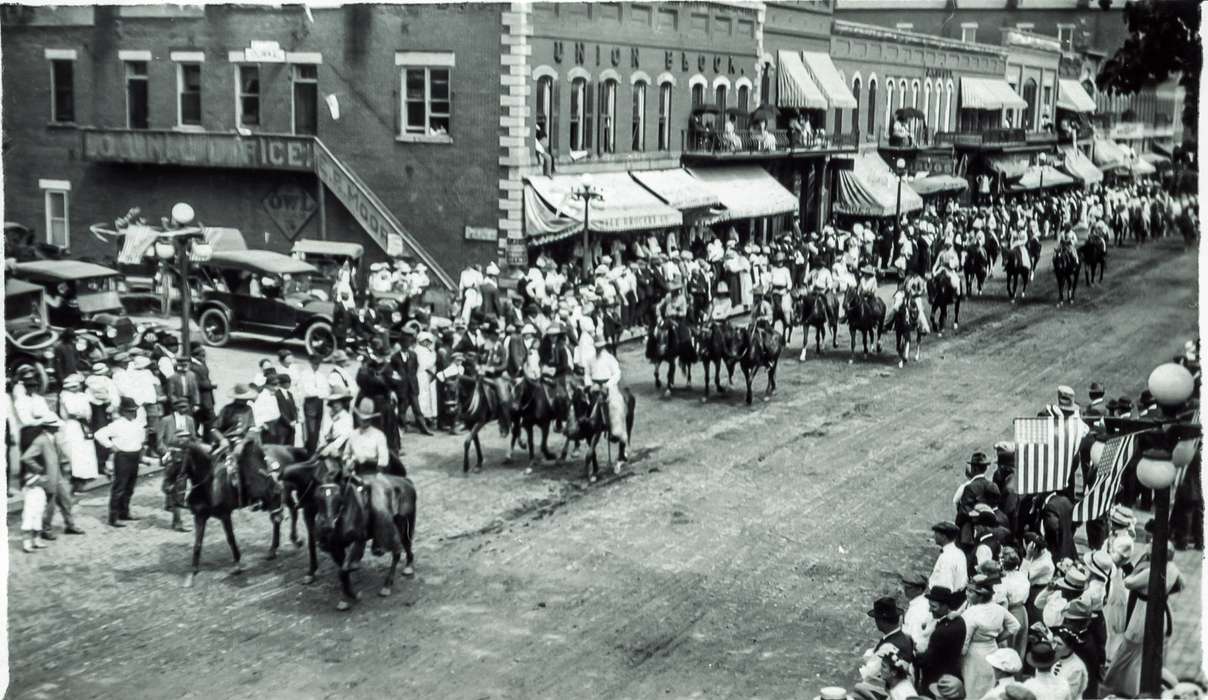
1016, 589
1115, 605
77, 414
426, 361
1123, 675
985, 623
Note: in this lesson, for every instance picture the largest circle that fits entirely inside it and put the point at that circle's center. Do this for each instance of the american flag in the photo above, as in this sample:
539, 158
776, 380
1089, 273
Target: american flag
1117, 453
1045, 451
1182, 472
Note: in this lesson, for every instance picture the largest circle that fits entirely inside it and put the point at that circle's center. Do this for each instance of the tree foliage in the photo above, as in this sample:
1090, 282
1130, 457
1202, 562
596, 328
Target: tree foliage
1164, 39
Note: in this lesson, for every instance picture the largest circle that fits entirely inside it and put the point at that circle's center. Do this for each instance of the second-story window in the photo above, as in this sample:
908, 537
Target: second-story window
1065, 35
188, 91
969, 32
721, 97
62, 83
872, 107
665, 117
698, 95
306, 98
427, 103
545, 102
855, 113
581, 108
744, 99
608, 116
639, 117
247, 104
136, 95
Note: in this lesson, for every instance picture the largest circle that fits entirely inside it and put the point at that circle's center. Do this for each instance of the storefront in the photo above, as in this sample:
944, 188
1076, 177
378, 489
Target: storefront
873, 189
1033, 62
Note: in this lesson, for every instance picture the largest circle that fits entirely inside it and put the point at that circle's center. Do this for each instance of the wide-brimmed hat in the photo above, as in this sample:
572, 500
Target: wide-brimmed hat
339, 393
46, 418
120, 357
1122, 516
868, 271
528, 329
1075, 580
991, 569
555, 328
948, 687
884, 608
1005, 659
366, 410
980, 583
100, 369
73, 381
140, 362
426, 337
1078, 609
1041, 656
1099, 563
242, 391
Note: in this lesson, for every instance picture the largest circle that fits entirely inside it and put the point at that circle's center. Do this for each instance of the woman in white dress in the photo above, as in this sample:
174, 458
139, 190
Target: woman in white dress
988, 626
1015, 587
585, 351
76, 411
425, 357
1123, 675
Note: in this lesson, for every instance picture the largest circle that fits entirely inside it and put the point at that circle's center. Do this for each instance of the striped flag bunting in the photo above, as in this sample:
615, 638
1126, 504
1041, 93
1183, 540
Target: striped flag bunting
1117, 453
1045, 451
1182, 472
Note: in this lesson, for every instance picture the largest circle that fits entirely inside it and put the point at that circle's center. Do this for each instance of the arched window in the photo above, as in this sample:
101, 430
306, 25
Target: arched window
872, 106
639, 116
914, 94
721, 97
937, 107
581, 109
744, 99
545, 102
901, 93
926, 103
765, 84
855, 113
665, 116
698, 95
608, 116
889, 89
951, 88
1029, 96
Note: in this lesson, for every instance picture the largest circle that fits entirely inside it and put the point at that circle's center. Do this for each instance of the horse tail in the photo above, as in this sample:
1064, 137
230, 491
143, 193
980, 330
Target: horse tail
630, 406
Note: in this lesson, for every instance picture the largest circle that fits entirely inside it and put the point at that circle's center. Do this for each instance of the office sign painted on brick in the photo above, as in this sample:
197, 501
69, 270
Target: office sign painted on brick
202, 149
290, 206
354, 199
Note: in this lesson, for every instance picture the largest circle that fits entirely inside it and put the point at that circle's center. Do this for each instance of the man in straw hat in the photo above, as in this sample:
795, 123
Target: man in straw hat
175, 432
236, 419
125, 437
942, 654
336, 427
366, 450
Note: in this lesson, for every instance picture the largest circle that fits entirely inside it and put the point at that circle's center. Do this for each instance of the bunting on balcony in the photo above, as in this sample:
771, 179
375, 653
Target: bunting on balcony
795, 88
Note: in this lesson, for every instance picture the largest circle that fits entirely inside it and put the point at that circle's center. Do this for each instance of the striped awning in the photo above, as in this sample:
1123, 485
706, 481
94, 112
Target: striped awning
989, 94
938, 184
871, 189
677, 188
1140, 167
1107, 154
1072, 96
747, 191
827, 77
625, 206
795, 88
1077, 164
1041, 176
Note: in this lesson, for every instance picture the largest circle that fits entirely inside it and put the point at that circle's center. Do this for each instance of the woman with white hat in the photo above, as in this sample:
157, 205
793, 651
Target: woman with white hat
425, 357
585, 351
76, 410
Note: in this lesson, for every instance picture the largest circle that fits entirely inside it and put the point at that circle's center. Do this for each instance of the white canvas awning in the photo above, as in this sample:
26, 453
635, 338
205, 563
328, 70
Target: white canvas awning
989, 94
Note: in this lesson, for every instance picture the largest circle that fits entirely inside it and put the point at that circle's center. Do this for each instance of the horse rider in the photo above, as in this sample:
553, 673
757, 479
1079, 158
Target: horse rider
1019, 246
699, 280
781, 280
606, 381
236, 420
365, 449
911, 291
1033, 235
720, 307
559, 357
493, 367
867, 286
337, 425
1068, 242
822, 283
673, 312
948, 265
761, 313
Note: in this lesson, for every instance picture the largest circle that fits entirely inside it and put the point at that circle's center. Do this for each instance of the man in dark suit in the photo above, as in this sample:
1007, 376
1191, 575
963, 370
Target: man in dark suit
287, 424
373, 383
203, 411
183, 384
942, 656
489, 290
972, 492
886, 616
1057, 525
174, 432
405, 366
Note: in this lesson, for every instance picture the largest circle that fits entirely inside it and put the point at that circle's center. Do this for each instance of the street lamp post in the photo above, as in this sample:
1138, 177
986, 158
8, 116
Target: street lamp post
1043, 160
176, 248
900, 168
587, 193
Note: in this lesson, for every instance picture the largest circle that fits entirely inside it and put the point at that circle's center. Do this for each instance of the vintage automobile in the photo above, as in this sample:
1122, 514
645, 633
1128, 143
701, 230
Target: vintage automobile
265, 293
21, 243
330, 256
84, 296
29, 338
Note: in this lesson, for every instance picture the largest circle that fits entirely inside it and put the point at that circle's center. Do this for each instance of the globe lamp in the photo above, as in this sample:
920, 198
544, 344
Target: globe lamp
1171, 385
1155, 469
182, 214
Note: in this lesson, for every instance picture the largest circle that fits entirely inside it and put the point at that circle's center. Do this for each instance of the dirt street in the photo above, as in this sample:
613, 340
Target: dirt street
737, 558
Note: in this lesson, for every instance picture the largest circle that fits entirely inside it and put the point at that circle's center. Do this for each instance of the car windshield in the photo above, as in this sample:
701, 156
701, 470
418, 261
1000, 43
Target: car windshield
21, 308
94, 285
305, 285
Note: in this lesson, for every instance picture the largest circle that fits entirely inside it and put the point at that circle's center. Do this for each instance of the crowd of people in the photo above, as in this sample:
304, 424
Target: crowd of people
1012, 607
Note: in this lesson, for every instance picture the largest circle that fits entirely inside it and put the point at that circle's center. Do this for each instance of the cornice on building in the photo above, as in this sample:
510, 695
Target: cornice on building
869, 31
1030, 40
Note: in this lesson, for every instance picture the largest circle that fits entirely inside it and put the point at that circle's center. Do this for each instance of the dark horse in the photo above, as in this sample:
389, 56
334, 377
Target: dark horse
905, 324
716, 340
759, 348
283, 459
819, 311
1066, 268
941, 295
590, 422
478, 404
242, 479
1094, 259
538, 404
1017, 273
993, 251
865, 315
976, 268
668, 343
343, 514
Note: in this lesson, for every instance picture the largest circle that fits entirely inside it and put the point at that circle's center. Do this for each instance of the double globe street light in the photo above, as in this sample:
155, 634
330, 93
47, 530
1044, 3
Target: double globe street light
179, 241
587, 193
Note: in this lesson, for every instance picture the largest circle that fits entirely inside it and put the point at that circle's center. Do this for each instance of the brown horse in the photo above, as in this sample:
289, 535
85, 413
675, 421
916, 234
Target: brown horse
820, 312
590, 423
478, 404
759, 348
670, 342
718, 346
242, 479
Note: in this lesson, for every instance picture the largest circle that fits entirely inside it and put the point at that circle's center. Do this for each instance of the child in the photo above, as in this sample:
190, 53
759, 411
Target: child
33, 507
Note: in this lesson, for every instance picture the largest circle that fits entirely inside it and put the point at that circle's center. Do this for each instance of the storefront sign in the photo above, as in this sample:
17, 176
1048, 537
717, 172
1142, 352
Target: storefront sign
518, 254
481, 233
204, 149
354, 198
264, 52
939, 72
583, 53
290, 207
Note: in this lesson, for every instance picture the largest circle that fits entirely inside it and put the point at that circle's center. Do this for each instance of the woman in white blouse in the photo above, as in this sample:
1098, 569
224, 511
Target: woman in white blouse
988, 626
1015, 587
1038, 565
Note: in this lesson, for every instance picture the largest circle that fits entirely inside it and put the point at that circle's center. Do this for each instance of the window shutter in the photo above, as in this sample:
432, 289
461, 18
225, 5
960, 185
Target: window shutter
399, 91
589, 109
554, 133
603, 105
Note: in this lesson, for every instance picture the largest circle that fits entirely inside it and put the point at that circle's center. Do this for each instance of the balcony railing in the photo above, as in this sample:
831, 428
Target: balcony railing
753, 142
985, 137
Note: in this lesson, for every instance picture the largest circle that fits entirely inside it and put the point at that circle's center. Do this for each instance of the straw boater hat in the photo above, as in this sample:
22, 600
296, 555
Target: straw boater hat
242, 391
339, 393
73, 381
365, 409
46, 418
1074, 580
832, 693
1122, 516
100, 369
1005, 659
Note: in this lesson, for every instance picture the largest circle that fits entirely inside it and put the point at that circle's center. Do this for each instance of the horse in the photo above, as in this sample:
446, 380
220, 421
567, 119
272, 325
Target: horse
976, 267
1065, 268
941, 295
538, 404
590, 421
1017, 273
1094, 259
906, 322
993, 250
342, 515
759, 348
778, 300
665, 345
283, 459
477, 405
243, 479
819, 311
716, 340
865, 314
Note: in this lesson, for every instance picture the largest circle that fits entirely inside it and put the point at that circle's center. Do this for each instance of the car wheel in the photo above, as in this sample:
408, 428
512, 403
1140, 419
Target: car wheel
320, 340
215, 328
